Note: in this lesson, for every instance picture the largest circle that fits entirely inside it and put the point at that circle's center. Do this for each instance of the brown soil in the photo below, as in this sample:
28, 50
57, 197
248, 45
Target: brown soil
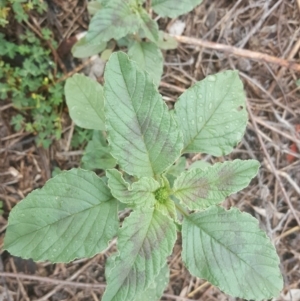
273, 100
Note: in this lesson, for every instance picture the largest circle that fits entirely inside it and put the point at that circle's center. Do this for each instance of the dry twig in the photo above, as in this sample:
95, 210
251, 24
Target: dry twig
272, 167
54, 281
253, 55
59, 282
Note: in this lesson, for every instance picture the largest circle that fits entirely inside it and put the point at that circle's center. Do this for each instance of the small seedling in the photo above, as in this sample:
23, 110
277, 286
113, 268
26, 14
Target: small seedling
131, 26
75, 214
32, 87
20, 9
28, 77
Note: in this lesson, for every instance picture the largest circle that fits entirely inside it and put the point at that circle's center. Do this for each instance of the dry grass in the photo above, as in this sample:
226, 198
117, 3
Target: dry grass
273, 100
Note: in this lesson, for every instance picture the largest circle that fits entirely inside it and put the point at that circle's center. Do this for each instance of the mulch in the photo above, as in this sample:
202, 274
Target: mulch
265, 27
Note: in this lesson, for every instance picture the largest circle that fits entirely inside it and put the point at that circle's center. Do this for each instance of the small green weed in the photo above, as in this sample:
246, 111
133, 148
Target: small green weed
131, 26
81, 136
27, 77
20, 9
75, 214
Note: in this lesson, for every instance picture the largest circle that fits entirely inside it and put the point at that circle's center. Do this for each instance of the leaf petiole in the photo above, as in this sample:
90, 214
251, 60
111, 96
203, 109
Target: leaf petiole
181, 209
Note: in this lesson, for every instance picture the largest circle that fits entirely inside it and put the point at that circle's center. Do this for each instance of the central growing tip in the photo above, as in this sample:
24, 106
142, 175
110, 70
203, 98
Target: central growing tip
162, 195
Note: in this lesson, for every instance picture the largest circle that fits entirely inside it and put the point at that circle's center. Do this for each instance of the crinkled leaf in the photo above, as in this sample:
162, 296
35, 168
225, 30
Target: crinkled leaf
148, 57
140, 193
157, 287
202, 188
212, 114
173, 8
97, 154
73, 216
149, 26
114, 21
167, 208
228, 249
144, 137
165, 41
85, 101
145, 240
84, 48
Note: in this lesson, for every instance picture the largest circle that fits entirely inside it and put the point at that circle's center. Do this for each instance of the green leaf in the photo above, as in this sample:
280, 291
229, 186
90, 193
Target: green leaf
165, 41
125, 42
228, 249
157, 287
145, 240
73, 216
167, 208
202, 188
17, 121
212, 114
173, 8
81, 136
106, 54
148, 57
138, 1
97, 154
93, 7
199, 164
149, 26
114, 21
143, 135
175, 170
140, 193
85, 101
103, 2
85, 48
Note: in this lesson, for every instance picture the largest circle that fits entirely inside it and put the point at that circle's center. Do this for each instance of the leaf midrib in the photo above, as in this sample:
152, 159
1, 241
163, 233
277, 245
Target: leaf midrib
65, 217
134, 109
137, 252
225, 247
206, 122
